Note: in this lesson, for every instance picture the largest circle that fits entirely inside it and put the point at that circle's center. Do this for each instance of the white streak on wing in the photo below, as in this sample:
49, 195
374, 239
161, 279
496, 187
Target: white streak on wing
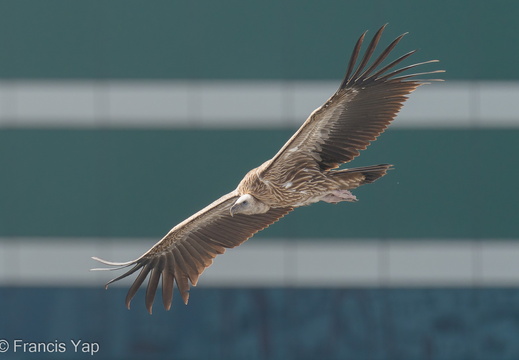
287, 184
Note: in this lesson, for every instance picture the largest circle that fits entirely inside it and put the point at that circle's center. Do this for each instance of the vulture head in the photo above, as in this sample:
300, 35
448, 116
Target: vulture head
248, 205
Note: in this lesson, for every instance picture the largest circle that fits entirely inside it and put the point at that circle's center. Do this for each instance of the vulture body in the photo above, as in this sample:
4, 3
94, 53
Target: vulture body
304, 171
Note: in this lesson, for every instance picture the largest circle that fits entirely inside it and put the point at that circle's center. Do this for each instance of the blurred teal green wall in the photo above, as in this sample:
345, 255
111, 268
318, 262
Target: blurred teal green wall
246, 39
120, 182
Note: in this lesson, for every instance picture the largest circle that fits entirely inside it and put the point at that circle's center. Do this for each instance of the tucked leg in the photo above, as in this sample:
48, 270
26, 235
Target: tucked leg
336, 196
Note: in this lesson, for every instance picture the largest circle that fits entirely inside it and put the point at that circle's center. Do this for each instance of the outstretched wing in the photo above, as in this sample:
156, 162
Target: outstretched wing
184, 253
368, 99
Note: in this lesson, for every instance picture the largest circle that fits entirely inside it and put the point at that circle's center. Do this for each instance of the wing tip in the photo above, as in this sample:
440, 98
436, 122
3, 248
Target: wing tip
115, 265
185, 296
356, 73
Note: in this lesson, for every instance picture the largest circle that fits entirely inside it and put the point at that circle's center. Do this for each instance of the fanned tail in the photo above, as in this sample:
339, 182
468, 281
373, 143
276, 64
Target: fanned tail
370, 173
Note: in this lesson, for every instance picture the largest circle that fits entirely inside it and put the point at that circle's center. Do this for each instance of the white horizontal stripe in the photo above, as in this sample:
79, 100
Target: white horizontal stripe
261, 262
241, 104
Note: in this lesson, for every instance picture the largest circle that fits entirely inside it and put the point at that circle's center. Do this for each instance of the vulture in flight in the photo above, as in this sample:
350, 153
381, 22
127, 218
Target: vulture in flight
303, 172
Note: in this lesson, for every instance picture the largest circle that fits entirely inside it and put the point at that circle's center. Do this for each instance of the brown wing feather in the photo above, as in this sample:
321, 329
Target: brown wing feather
190, 247
361, 109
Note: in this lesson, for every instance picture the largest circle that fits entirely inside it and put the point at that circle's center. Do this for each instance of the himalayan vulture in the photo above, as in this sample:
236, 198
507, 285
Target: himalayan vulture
303, 172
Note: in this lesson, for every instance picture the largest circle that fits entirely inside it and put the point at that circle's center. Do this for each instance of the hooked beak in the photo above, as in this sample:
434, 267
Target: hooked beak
231, 211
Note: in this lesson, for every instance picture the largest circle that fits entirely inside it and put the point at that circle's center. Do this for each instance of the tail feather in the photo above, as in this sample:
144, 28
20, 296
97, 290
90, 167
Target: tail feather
370, 173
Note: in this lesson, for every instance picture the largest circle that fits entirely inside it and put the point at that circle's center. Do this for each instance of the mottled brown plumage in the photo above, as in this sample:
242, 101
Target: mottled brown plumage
304, 171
